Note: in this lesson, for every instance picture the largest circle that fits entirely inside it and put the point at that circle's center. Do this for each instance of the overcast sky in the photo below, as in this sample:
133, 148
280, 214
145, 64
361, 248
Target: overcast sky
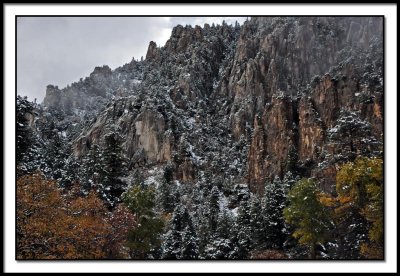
60, 50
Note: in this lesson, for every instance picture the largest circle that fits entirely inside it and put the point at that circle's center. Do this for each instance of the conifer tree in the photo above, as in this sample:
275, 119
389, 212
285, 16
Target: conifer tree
145, 239
190, 248
111, 185
309, 217
213, 208
243, 231
221, 245
166, 196
273, 205
24, 132
180, 241
256, 223
92, 168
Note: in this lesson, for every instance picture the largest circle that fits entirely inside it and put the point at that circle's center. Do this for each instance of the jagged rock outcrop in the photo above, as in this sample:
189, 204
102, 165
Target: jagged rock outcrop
278, 57
274, 135
53, 95
152, 51
91, 95
246, 104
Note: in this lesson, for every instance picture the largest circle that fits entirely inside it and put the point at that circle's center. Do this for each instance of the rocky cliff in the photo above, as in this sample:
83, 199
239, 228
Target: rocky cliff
244, 103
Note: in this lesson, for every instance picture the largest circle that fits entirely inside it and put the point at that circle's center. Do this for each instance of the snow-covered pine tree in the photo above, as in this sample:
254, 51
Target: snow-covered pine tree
111, 186
352, 136
221, 246
243, 231
190, 248
180, 241
256, 223
166, 194
56, 152
274, 202
24, 132
71, 174
91, 169
213, 208
202, 228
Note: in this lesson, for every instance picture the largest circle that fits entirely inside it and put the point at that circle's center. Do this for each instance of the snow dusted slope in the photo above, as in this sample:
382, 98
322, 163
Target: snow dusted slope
245, 103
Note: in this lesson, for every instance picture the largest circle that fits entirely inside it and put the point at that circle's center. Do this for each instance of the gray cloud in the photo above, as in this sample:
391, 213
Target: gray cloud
60, 50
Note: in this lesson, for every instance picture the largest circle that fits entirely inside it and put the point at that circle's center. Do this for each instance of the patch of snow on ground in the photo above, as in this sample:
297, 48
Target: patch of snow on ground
154, 170
235, 211
191, 121
151, 180
223, 202
154, 176
195, 157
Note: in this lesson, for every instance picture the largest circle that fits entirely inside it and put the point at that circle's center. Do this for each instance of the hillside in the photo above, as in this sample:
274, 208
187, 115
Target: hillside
220, 124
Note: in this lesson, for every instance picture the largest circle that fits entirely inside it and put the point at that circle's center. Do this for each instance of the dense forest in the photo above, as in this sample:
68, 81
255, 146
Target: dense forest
260, 141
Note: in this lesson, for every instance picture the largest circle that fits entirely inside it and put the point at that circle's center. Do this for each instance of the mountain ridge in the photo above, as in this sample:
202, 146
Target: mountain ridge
278, 83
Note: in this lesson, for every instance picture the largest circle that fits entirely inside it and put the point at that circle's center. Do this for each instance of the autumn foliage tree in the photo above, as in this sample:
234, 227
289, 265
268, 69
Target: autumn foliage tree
87, 229
41, 219
54, 226
122, 221
358, 209
359, 186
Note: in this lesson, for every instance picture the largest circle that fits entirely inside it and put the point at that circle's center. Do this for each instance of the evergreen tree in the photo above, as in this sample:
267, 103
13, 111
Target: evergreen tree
114, 167
292, 160
225, 223
352, 136
24, 132
309, 217
289, 180
92, 168
168, 173
29, 147
273, 205
256, 223
70, 172
213, 209
180, 241
145, 239
59, 164
166, 196
171, 246
203, 230
242, 230
189, 248
221, 245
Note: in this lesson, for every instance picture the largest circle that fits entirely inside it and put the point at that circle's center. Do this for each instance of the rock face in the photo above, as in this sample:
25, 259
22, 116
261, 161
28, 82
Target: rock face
150, 127
244, 103
279, 73
146, 138
152, 51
